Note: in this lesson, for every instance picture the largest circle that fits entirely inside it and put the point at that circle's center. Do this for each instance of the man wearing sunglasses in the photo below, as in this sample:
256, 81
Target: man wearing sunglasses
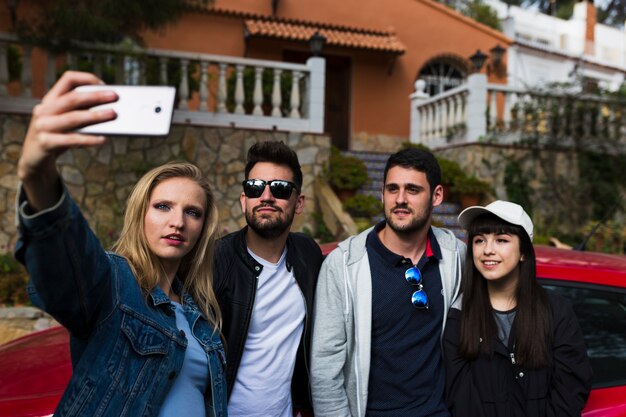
381, 304
265, 279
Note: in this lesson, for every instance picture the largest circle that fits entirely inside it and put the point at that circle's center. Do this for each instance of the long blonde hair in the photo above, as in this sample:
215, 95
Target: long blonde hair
196, 268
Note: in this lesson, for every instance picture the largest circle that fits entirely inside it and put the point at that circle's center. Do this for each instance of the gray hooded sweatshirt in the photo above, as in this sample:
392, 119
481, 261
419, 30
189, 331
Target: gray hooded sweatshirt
342, 322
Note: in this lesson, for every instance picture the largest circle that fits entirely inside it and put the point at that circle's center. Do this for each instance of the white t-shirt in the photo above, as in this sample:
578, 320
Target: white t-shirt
263, 384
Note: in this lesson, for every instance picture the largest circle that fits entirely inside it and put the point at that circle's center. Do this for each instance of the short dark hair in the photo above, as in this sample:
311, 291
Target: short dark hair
277, 153
419, 160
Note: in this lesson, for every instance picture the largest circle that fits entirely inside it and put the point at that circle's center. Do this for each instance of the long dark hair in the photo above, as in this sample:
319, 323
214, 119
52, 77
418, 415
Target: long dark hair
532, 330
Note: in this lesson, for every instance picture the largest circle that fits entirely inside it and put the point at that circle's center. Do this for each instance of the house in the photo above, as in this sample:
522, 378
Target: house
374, 52
549, 50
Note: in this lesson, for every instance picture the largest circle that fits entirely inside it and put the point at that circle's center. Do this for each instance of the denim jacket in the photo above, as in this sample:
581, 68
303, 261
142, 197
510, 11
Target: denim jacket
126, 348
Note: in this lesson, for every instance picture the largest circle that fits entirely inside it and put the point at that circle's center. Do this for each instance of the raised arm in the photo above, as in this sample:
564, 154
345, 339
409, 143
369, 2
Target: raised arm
52, 131
69, 271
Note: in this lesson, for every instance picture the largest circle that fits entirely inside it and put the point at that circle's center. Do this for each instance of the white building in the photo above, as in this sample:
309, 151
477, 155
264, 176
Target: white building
547, 49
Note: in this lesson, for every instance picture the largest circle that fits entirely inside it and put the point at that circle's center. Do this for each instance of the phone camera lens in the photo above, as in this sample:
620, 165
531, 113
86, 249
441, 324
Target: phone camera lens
157, 109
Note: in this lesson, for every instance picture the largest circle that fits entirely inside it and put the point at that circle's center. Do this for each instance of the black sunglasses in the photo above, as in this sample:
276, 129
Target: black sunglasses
280, 189
419, 299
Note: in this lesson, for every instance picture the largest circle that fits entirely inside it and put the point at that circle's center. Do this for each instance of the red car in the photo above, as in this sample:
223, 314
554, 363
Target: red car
35, 369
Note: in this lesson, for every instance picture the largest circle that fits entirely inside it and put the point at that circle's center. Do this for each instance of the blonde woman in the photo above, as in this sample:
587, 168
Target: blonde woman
143, 320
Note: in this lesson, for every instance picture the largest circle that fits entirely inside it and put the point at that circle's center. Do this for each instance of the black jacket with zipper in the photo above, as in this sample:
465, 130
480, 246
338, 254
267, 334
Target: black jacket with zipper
235, 283
497, 387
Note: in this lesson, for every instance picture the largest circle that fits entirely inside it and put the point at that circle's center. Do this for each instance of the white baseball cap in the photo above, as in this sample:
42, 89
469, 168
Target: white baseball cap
507, 211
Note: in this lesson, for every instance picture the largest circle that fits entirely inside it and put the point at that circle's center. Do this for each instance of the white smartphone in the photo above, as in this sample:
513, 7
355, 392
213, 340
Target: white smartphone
141, 110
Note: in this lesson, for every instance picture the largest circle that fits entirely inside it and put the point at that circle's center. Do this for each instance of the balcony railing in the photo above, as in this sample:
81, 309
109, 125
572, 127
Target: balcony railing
212, 90
478, 111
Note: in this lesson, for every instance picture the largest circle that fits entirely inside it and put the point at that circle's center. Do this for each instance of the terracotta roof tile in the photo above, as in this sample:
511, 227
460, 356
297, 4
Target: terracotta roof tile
335, 35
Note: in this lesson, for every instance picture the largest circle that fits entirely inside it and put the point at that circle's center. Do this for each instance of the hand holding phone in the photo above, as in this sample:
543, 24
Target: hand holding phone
141, 110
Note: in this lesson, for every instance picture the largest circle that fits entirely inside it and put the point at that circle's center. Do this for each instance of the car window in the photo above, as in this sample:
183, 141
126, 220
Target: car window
601, 312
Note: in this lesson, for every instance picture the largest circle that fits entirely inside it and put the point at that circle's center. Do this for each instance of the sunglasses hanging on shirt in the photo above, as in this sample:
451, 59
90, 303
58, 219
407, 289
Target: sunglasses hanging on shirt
419, 299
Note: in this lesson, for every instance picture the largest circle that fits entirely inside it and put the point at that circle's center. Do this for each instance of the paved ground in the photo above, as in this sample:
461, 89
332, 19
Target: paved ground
19, 321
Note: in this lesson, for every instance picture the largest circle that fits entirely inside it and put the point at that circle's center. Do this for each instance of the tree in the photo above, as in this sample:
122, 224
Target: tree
609, 12
477, 10
58, 25
481, 13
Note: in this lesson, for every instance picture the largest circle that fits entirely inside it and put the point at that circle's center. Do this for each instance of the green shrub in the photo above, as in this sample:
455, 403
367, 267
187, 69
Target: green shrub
363, 206
469, 184
13, 281
346, 172
451, 171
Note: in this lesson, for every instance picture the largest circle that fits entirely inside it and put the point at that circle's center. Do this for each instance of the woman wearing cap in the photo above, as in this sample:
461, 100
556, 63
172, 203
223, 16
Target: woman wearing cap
510, 347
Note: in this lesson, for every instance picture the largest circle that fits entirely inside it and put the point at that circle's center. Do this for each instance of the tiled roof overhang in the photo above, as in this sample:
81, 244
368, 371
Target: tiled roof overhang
335, 36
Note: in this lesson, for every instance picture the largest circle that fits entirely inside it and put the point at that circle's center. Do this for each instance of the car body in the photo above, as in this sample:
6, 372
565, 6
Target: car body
35, 369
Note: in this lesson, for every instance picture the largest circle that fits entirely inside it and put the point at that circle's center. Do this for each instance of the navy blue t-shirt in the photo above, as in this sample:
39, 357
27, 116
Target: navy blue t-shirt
406, 371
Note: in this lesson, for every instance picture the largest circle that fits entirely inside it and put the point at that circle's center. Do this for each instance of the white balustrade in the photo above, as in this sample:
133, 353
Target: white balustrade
211, 89
477, 110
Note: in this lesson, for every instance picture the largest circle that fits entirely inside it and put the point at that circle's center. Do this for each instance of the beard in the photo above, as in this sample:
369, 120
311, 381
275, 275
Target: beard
266, 227
418, 222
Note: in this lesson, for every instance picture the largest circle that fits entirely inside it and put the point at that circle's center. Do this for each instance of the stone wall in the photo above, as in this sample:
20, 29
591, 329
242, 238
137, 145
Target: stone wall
100, 179
363, 141
552, 176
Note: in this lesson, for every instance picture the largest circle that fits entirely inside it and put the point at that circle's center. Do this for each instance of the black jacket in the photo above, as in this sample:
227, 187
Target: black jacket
235, 284
495, 387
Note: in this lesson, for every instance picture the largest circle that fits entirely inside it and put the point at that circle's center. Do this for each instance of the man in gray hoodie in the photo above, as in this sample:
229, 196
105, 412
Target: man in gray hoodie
381, 304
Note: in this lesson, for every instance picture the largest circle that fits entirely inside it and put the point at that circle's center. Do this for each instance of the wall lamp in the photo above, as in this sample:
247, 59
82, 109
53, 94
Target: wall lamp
316, 43
496, 59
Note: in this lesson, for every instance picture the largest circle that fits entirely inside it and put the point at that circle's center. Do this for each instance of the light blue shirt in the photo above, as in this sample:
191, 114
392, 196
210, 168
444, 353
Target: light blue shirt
186, 398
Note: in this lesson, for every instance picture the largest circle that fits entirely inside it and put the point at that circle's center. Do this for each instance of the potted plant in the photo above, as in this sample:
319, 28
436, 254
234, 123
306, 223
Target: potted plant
470, 190
346, 174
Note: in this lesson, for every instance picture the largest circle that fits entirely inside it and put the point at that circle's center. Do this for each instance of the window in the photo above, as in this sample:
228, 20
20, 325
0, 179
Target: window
601, 312
442, 74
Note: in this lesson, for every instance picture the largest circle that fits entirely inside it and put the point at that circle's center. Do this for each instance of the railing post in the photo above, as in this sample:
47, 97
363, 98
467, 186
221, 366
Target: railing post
315, 95
295, 95
163, 70
27, 71
476, 107
4, 69
204, 86
239, 93
221, 89
51, 71
276, 94
257, 95
492, 123
183, 88
416, 123
97, 65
